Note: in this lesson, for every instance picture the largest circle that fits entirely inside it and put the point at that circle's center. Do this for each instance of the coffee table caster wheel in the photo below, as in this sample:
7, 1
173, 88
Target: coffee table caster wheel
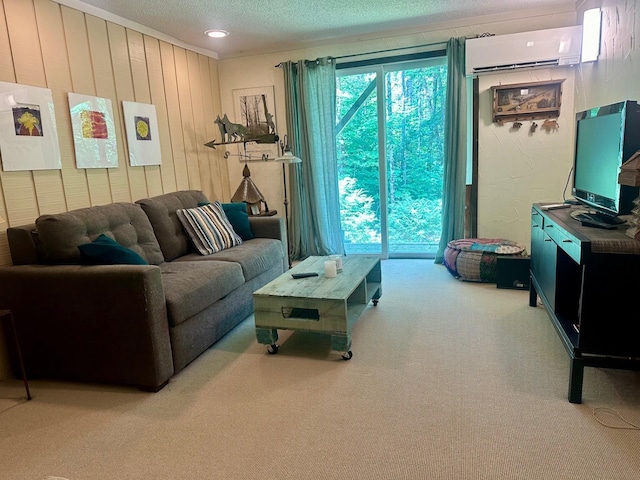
272, 349
347, 355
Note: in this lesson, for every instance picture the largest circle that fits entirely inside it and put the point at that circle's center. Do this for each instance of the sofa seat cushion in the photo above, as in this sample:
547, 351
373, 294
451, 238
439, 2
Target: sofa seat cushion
255, 256
61, 234
190, 287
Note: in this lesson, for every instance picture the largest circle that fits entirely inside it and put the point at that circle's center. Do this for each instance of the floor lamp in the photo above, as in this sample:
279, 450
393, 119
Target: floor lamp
286, 158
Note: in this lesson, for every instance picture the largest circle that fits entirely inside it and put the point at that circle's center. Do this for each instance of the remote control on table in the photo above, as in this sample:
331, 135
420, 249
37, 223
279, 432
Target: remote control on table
304, 275
555, 206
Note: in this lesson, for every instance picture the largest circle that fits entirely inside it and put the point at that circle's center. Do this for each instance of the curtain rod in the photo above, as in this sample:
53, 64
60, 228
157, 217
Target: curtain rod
382, 51
391, 50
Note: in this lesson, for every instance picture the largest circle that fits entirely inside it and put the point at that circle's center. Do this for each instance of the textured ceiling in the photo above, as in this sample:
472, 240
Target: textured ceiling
258, 26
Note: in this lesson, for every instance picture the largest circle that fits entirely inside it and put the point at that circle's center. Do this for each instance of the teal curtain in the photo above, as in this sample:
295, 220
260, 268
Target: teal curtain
455, 148
310, 103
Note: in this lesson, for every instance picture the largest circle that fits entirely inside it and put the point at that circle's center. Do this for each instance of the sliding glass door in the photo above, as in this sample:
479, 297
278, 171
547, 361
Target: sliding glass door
390, 141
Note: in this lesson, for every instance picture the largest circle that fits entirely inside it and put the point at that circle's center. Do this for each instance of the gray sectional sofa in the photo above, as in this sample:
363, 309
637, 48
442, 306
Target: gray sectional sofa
130, 324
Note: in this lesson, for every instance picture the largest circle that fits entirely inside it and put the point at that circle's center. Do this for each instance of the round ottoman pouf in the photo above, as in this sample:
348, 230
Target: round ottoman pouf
474, 259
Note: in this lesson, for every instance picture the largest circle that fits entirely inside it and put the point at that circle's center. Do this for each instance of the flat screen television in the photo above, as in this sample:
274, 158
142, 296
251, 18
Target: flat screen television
606, 137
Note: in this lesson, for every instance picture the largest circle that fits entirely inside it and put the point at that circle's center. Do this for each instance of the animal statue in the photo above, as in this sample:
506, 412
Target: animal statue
549, 125
270, 125
233, 130
223, 131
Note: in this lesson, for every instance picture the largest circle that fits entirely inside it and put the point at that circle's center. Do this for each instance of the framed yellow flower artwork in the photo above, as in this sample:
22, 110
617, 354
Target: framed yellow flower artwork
142, 134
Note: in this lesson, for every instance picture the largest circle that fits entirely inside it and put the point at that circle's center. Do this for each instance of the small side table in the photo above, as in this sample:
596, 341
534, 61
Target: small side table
7, 313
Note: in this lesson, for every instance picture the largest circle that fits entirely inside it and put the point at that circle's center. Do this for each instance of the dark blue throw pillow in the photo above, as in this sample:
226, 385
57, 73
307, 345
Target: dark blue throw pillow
106, 251
238, 217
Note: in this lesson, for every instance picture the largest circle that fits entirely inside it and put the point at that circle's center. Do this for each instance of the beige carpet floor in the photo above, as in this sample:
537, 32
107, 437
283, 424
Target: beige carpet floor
449, 380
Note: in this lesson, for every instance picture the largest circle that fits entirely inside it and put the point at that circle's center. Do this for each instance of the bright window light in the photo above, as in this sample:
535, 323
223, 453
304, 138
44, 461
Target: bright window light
591, 35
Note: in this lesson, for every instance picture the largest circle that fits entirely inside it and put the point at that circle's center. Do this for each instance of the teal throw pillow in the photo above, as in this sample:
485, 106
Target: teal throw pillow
238, 217
106, 251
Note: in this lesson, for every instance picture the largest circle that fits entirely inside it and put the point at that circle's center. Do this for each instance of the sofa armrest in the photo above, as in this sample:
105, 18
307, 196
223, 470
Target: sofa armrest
268, 227
272, 227
103, 323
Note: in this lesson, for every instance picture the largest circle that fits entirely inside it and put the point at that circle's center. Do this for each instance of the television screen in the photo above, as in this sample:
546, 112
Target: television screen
605, 138
599, 151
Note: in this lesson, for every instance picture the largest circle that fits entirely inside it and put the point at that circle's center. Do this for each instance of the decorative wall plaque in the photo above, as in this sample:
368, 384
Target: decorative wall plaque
527, 101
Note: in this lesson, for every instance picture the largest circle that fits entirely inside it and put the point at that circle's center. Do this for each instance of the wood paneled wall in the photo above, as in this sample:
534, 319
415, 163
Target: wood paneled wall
45, 44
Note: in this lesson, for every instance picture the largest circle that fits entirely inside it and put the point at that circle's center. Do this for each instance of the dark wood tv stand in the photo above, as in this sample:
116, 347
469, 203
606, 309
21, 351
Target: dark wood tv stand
588, 279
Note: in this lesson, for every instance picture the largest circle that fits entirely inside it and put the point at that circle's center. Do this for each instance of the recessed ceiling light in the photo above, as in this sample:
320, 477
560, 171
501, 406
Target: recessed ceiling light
216, 33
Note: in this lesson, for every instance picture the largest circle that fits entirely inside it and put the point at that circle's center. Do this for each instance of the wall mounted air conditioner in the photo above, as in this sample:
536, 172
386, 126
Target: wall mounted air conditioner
540, 48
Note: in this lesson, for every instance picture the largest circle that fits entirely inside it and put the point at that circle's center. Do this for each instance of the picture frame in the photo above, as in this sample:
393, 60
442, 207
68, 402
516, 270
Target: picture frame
28, 130
141, 125
94, 132
254, 108
527, 101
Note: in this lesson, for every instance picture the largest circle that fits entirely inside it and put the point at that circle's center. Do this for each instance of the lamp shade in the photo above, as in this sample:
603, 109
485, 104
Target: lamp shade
288, 157
247, 192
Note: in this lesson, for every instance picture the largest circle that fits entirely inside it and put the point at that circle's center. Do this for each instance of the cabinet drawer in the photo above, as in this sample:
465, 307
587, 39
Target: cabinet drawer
564, 240
569, 244
537, 220
551, 230
560, 237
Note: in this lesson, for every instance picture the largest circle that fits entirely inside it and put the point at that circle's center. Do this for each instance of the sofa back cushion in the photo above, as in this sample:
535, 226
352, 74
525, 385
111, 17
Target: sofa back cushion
61, 234
161, 211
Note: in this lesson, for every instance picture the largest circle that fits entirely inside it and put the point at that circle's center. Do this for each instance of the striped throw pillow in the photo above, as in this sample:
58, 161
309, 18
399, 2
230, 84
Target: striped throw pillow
208, 228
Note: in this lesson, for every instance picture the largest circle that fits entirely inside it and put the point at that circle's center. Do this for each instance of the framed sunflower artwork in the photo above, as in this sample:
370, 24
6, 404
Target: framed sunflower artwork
141, 125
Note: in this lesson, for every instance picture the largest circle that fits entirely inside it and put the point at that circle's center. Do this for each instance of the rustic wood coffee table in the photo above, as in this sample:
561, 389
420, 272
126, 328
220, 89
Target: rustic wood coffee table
318, 303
